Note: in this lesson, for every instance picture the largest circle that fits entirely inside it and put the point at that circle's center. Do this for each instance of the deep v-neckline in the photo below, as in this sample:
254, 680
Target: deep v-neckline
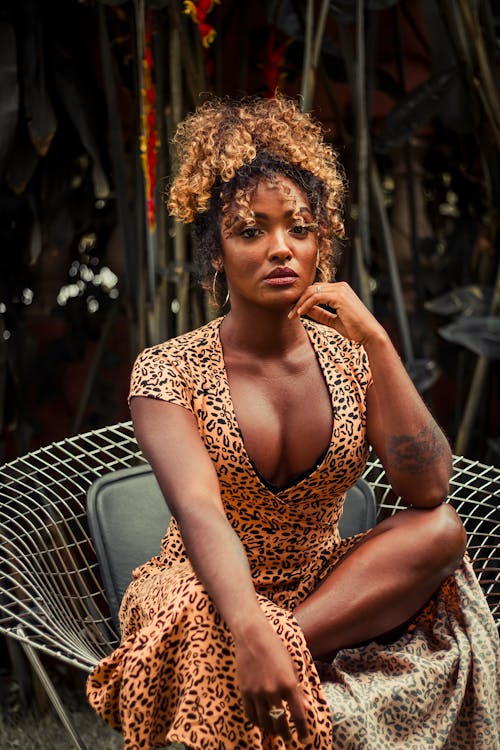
318, 463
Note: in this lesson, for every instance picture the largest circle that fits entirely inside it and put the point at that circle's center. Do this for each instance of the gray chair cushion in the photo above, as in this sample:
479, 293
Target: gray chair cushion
128, 517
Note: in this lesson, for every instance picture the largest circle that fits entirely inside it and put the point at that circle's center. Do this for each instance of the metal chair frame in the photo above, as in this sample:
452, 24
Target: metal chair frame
51, 596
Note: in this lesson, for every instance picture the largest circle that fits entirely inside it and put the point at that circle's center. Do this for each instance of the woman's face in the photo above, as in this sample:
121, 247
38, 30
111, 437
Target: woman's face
271, 260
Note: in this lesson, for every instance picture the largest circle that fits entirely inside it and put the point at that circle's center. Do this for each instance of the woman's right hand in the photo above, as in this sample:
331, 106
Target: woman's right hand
268, 680
169, 438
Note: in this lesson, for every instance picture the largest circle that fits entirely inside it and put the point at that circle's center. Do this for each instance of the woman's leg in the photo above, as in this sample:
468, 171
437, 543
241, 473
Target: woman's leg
383, 581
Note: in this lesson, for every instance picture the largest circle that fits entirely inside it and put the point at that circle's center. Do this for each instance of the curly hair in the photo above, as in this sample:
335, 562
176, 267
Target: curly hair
226, 147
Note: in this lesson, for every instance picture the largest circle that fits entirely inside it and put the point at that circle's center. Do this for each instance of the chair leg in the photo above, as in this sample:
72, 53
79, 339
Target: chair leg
48, 685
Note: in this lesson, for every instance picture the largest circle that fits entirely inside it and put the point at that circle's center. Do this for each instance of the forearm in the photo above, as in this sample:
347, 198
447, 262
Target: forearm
220, 561
411, 446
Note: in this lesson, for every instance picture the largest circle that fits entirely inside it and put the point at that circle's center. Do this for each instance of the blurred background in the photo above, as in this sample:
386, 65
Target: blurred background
92, 269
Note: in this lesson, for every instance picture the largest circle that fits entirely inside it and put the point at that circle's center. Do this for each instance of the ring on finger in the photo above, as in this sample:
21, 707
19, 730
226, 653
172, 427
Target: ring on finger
319, 289
276, 712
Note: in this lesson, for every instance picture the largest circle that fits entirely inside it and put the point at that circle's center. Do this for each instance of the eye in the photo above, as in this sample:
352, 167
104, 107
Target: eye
301, 230
249, 233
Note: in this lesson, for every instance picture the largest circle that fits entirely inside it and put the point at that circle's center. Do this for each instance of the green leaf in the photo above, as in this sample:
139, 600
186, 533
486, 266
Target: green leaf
412, 111
9, 100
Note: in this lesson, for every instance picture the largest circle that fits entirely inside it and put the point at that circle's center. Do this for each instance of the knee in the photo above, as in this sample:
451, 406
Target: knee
446, 537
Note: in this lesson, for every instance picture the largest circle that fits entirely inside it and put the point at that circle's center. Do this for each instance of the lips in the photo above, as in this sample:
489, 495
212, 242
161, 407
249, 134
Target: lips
282, 273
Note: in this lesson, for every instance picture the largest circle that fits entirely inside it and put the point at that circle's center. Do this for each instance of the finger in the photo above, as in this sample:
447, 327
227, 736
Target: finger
250, 710
325, 317
298, 706
264, 720
279, 720
310, 296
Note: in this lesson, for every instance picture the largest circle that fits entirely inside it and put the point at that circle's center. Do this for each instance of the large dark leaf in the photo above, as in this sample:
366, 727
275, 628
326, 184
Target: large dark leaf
458, 109
40, 116
35, 242
283, 15
479, 335
22, 160
57, 196
472, 300
345, 10
9, 99
79, 104
415, 109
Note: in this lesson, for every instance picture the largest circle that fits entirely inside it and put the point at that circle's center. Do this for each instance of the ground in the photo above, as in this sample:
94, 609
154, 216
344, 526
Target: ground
37, 727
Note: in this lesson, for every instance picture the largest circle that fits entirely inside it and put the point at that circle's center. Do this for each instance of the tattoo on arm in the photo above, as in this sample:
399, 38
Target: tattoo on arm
414, 453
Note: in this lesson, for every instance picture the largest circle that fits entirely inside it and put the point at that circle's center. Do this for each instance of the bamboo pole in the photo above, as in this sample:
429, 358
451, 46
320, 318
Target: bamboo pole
312, 52
117, 150
462, 39
397, 294
360, 242
94, 368
150, 232
362, 138
477, 384
162, 297
308, 43
178, 21
410, 173
488, 91
181, 274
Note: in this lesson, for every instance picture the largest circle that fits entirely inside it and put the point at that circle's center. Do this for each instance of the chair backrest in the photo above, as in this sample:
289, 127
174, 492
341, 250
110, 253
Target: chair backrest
128, 517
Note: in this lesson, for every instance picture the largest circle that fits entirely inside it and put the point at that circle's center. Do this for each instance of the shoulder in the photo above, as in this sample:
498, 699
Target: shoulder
170, 370
187, 347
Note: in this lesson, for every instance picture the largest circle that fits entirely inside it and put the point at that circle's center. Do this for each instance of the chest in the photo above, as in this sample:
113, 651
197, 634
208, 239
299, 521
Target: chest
284, 413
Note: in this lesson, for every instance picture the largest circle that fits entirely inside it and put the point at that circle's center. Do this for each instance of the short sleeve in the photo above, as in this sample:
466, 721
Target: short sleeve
154, 375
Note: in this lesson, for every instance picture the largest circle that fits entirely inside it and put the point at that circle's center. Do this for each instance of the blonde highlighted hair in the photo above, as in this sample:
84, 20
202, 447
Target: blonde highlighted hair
225, 147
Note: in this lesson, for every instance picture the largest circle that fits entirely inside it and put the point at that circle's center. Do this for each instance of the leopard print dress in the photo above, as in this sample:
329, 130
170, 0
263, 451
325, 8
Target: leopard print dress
172, 679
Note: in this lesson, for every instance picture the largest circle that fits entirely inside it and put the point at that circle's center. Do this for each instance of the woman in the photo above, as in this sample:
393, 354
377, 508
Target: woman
255, 426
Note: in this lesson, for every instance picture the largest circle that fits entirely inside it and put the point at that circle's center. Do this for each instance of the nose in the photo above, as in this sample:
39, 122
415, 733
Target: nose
278, 245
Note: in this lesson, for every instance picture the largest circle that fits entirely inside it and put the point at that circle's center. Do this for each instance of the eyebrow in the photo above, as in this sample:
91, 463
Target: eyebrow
287, 214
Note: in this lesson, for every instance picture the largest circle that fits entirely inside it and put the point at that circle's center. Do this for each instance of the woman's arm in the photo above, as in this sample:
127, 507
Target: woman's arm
168, 436
412, 448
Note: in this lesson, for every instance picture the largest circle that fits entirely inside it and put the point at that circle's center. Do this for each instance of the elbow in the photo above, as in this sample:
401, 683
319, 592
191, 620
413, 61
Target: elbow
436, 491
431, 487
426, 491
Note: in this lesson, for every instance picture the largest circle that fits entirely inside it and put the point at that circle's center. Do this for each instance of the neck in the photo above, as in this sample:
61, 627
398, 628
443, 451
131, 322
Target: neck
266, 333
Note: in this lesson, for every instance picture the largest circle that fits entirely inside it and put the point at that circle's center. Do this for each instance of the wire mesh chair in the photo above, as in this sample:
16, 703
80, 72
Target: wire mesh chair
51, 595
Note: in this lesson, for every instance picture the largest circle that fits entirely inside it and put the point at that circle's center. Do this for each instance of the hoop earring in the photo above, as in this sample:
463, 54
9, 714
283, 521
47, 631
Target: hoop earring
320, 276
214, 291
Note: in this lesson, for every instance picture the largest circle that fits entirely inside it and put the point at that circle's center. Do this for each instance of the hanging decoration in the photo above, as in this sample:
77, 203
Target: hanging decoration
273, 67
149, 138
198, 11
